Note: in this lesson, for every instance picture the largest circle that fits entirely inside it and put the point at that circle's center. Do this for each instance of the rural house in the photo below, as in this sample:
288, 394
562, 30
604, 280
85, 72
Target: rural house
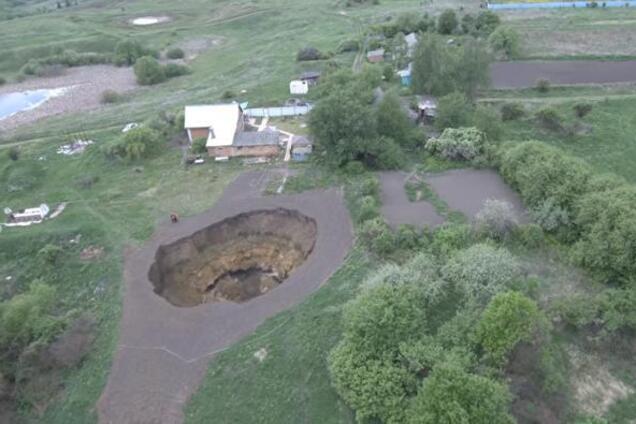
223, 127
311, 77
376, 56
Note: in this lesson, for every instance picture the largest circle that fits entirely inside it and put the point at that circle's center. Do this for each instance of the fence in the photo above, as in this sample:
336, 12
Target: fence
561, 4
277, 112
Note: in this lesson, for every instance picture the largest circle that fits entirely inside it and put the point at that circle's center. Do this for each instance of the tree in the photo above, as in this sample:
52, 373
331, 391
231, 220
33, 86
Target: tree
148, 71
487, 22
175, 53
453, 111
452, 396
137, 143
506, 41
391, 120
128, 51
472, 70
447, 22
509, 318
374, 388
464, 144
497, 219
486, 119
433, 67
481, 271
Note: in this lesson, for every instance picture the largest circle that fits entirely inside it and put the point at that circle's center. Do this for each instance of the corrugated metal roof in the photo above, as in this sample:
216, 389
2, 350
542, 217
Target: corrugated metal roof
222, 119
260, 138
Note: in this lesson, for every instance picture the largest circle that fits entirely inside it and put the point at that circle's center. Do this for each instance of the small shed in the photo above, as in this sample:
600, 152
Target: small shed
301, 149
405, 75
311, 77
298, 87
27, 216
411, 43
427, 108
376, 56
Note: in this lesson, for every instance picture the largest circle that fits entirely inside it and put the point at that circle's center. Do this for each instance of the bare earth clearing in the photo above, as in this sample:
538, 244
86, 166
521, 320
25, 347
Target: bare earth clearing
85, 86
163, 350
463, 190
525, 74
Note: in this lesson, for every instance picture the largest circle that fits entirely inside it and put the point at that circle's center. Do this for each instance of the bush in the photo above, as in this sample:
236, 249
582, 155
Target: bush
13, 153
148, 71
310, 53
550, 216
543, 85
482, 271
582, 109
530, 235
172, 70
451, 395
199, 145
49, 254
447, 22
136, 144
110, 96
348, 46
497, 219
449, 238
175, 53
453, 111
377, 236
128, 51
464, 144
487, 22
512, 111
368, 208
549, 119
228, 94
509, 319
505, 40
3, 80
486, 119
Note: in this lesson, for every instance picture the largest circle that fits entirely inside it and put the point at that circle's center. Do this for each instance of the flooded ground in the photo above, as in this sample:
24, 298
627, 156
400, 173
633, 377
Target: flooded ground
13, 103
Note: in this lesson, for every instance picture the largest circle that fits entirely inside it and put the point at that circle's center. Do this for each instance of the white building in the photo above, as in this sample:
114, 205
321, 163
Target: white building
299, 87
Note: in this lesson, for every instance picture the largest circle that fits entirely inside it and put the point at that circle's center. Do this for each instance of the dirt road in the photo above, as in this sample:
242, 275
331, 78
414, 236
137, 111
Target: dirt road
163, 350
506, 75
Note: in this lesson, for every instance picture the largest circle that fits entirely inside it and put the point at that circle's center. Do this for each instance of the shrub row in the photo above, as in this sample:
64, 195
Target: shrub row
595, 213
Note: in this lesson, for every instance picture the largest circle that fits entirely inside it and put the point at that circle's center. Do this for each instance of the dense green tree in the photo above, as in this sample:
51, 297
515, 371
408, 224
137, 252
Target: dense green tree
447, 22
482, 271
453, 396
148, 71
433, 67
487, 21
505, 40
472, 70
391, 120
607, 221
128, 51
487, 120
509, 319
453, 111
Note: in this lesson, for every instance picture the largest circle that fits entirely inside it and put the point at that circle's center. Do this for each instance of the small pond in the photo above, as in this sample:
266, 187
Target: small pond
12, 103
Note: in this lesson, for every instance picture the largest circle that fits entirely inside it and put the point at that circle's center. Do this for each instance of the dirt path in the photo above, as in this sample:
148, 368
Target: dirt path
164, 350
561, 72
398, 209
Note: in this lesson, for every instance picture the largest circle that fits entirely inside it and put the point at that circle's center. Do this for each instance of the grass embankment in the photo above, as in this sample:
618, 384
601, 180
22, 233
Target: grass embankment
111, 205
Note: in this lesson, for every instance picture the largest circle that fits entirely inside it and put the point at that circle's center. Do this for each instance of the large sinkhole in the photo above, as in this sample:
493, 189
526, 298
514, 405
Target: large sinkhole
233, 260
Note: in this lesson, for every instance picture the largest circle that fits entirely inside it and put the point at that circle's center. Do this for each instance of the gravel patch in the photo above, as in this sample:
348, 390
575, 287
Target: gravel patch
84, 88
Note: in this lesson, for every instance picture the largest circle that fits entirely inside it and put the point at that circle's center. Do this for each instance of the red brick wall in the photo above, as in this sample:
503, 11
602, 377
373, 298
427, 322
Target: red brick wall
233, 151
199, 132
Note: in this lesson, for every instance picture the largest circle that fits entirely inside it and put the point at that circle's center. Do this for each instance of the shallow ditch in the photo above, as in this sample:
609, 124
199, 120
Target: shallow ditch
235, 260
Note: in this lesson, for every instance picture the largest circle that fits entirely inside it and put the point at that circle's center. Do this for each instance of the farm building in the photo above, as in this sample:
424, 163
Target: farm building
311, 77
301, 148
405, 75
376, 56
411, 43
298, 87
223, 127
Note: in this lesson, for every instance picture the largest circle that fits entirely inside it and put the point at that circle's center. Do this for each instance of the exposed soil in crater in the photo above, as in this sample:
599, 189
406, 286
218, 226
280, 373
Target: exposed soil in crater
234, 260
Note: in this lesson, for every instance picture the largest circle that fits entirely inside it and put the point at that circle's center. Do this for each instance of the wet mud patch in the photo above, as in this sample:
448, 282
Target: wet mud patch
234, 260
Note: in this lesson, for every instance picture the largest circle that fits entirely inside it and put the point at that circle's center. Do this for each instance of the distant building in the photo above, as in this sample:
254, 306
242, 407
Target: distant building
411, 43
376, 56
405, 75
311, 77
298, 87
301, 149
223, 127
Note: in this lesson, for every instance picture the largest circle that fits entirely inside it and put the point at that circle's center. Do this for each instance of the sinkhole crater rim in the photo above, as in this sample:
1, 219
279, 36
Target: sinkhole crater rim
235, 259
